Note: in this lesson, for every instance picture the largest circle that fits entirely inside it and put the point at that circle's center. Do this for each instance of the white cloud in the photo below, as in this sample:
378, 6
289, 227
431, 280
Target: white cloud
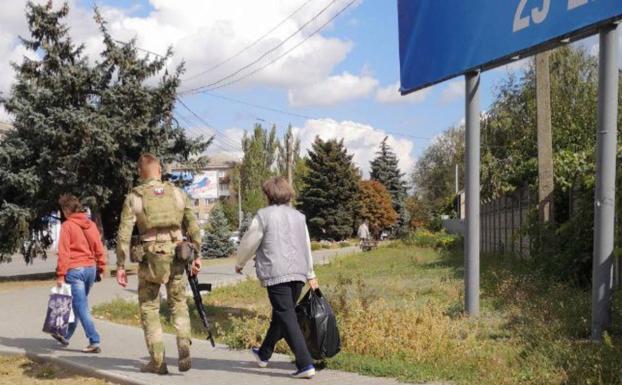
333, 90
453, 90
202, 32
361, 140
391, 94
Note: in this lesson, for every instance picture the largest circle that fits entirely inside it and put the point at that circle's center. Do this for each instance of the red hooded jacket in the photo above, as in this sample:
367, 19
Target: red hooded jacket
79, 245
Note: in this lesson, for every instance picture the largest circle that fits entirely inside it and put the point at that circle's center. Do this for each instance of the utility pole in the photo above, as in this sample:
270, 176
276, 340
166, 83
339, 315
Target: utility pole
545, 138
289, 149
240, 216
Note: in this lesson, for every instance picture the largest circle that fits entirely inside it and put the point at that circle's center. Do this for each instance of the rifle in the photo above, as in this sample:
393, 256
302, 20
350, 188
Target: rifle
197, 288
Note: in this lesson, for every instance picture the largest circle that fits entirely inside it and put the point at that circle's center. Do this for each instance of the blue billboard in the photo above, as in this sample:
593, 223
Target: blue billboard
441, 39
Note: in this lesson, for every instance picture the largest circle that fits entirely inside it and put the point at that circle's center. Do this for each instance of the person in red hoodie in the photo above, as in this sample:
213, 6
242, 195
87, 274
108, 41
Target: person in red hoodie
81, 259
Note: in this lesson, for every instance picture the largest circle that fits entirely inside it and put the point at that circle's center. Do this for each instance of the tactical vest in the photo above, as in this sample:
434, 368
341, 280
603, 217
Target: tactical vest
158, 207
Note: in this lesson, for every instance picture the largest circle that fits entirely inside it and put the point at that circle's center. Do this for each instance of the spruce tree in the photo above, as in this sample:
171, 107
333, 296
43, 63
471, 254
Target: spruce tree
80, 128
385, 169
329, 199
217, 240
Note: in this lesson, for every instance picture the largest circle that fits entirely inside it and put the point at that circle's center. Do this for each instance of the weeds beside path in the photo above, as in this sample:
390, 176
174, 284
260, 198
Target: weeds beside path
19, 370
400, 315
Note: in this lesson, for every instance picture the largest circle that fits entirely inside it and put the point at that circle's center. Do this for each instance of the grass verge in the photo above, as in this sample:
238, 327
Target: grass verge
400, 315
19, 370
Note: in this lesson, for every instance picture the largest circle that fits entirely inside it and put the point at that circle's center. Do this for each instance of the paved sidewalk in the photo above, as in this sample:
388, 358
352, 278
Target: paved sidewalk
124, 349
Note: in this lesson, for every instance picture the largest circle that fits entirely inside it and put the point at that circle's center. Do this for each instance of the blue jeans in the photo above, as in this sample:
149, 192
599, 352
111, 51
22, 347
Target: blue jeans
81, 280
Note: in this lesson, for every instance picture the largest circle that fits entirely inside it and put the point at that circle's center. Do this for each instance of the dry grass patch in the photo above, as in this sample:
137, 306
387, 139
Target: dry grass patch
19, 370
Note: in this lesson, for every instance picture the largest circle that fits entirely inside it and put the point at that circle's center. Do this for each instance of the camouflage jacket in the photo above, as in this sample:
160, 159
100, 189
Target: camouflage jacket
133, 214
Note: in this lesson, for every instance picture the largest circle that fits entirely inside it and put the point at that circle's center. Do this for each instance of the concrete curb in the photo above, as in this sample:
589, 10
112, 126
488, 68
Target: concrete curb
74, 368
28, 277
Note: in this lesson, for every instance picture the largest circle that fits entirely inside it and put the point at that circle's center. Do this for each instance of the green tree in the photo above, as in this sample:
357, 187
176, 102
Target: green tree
329, 199
385, 169
376, 206
509, 154
80, 128
217, 239
434, 174
230, 204
299, 169
260, 151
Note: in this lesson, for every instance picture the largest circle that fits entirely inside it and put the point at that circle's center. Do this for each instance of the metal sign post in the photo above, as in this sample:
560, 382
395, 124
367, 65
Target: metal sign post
604, 203
472, 189
441, 39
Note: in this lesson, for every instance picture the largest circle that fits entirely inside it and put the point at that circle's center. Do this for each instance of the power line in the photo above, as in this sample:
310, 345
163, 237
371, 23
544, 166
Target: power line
203, 130
138, 48
224, 136
283, 112
278, 57
261, 57
249, 46
293, 114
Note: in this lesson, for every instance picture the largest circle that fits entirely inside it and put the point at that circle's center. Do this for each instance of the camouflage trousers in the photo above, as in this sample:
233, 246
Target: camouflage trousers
149, 301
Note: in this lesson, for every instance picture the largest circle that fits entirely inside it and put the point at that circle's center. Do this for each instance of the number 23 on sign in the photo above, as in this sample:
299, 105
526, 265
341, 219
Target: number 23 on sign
523, 17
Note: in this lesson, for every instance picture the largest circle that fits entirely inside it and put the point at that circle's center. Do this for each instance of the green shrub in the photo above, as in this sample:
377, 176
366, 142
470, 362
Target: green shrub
315, 246
425, 238
344, 244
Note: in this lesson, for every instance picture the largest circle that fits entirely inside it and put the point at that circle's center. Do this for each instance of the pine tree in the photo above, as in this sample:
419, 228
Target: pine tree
385, 169
80, 128
329, 199
260, 151
217, 240
376, 206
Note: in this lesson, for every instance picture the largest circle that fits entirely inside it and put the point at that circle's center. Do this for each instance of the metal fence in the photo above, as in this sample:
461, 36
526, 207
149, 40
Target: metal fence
503, 221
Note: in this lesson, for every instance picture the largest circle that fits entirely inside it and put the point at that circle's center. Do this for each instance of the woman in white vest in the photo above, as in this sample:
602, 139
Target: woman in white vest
279, 239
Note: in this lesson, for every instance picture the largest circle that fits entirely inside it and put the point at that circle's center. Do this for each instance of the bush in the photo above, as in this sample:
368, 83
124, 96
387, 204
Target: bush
436, 224
425, 238
344, 244
315, 246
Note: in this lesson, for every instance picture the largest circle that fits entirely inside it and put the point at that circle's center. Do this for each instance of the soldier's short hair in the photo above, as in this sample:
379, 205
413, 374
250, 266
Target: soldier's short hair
147, 160
278, 190
70, 203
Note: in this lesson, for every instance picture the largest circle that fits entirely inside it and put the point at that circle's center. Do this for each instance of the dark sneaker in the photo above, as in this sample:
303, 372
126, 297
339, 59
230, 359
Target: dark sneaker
94, 349
261, 363
185, 362
62, 340
307, 372
152, 367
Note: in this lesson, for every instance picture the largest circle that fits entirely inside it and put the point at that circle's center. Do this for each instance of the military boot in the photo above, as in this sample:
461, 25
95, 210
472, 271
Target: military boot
154, 367
183, 347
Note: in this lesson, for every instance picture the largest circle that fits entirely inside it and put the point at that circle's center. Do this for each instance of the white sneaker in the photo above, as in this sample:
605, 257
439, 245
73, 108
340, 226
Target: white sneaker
307, 372
261, 363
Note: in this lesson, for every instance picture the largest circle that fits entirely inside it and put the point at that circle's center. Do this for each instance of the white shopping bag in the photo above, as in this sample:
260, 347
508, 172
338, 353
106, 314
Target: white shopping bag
65, 289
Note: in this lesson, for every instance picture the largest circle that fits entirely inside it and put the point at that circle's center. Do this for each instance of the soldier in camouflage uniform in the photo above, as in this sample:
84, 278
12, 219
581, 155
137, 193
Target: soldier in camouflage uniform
161, 212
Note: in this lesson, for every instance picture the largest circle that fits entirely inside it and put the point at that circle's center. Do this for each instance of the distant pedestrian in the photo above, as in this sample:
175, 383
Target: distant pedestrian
279, 239
363, 231
81, 258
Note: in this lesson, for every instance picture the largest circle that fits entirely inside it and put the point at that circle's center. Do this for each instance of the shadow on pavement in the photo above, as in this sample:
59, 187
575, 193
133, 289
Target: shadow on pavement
44, 346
